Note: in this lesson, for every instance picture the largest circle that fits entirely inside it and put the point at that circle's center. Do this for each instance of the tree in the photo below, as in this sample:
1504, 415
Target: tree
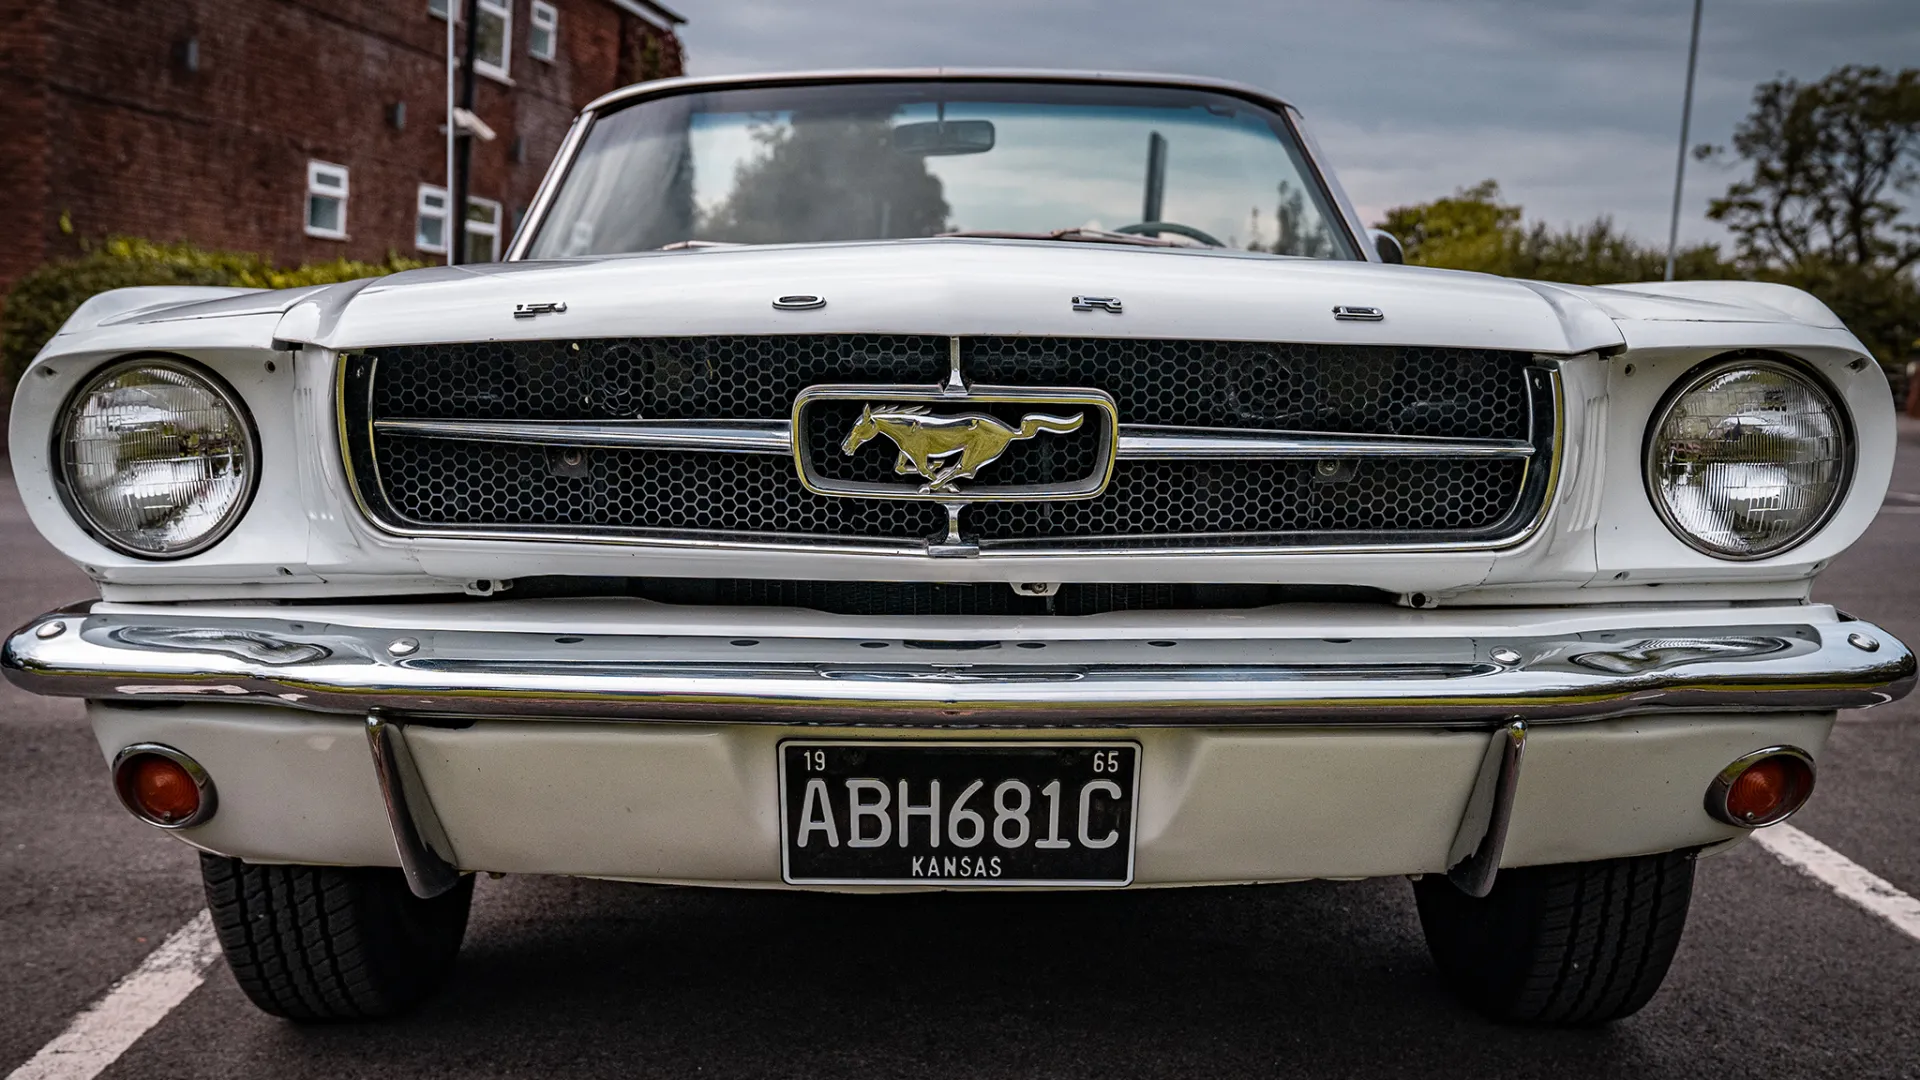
1820, 206
40, 302
1599, 253
828, 178
1821, 209
1468, 230
1472, 229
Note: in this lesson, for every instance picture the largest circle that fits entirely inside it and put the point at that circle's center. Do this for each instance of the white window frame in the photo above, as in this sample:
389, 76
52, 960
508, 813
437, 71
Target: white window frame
502, 10
545, 17
450, 11
443, 213
490, 230
316, 171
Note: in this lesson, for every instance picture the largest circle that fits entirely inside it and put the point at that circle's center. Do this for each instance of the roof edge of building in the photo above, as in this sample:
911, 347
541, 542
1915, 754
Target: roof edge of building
659, 15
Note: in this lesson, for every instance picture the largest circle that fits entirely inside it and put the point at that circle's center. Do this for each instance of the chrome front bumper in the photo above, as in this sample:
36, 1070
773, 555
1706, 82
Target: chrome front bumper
640, 743
448, 663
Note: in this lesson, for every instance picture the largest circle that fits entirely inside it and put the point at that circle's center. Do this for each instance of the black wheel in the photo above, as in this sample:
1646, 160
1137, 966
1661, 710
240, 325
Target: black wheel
332, 943
1578, 943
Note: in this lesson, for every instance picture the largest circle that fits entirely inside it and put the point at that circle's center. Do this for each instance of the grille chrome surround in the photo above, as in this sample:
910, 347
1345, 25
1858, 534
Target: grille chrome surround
1534, 461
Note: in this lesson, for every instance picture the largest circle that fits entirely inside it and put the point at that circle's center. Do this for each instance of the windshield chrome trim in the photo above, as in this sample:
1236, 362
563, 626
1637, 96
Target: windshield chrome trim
1138, 442
690, 83
1330, 183
544, 195
628, 95
549, 187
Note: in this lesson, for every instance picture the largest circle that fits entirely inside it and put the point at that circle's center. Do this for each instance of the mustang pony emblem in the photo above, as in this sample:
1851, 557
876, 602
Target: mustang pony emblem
944, 449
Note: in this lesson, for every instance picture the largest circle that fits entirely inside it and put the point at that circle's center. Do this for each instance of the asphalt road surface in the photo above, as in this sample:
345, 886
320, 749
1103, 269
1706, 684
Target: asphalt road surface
1778, 975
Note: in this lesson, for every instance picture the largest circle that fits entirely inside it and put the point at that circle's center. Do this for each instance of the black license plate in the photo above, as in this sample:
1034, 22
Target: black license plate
907, 813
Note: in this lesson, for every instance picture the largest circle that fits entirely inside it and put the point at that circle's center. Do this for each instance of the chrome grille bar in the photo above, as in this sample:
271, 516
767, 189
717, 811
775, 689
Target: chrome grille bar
1138, 442
1151, 443
702, 436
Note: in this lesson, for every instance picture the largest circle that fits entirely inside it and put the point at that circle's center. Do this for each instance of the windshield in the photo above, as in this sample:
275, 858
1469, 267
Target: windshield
883, 160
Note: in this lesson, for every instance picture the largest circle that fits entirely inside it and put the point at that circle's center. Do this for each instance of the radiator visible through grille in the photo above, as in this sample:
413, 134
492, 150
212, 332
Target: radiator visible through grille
622, 439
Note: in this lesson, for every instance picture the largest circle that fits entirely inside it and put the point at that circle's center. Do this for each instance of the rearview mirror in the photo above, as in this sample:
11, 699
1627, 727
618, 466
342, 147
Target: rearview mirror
943, 138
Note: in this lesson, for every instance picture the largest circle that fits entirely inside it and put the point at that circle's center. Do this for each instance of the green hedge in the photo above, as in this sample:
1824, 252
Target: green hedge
40, 302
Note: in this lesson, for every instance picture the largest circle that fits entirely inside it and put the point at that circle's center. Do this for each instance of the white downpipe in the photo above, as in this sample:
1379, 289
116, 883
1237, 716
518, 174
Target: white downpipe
452, 64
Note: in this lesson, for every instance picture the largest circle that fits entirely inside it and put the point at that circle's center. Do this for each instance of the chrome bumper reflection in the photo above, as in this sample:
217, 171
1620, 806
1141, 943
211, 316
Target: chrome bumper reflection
1024, 681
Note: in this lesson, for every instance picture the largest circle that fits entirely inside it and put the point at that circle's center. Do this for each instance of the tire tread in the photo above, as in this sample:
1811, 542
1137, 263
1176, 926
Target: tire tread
316, 943
1577, 944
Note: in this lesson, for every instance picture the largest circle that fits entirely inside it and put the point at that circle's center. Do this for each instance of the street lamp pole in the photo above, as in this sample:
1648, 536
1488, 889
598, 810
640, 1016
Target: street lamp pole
463, 149
1686, 119
453, 64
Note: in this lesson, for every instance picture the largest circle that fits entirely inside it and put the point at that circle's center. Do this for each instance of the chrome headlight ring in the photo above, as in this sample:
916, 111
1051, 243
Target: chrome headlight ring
147, 444
1746, 472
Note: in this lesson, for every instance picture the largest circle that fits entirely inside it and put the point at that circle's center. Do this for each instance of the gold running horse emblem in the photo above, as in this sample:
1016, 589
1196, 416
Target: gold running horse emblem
944, 449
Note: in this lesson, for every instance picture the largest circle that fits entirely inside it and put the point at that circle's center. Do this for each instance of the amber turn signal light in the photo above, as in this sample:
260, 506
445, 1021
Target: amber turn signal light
162, 786
1761, 788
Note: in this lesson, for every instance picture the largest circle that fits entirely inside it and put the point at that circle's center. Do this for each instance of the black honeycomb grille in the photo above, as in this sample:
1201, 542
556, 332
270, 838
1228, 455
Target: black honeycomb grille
419, 483
437, 482
1213, 499
736, 378
1344, 389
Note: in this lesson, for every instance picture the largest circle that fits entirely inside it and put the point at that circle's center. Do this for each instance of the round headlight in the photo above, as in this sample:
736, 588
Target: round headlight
1747, 458
157, 457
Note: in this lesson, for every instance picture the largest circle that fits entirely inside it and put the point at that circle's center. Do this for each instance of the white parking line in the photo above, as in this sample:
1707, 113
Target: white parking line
1842, 875
100, 1034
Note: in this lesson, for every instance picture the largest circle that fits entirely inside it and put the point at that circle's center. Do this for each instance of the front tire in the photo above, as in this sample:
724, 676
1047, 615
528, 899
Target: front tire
316, 943
1577, 943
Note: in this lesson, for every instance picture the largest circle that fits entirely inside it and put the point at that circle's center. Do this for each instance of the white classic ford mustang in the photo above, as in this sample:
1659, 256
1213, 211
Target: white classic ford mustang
908, 480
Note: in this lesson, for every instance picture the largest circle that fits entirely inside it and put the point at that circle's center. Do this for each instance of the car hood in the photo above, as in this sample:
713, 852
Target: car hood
957, 286
1704, 301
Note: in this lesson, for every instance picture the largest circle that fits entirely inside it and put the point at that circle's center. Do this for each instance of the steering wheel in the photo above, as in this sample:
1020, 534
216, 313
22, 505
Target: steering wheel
1150, 228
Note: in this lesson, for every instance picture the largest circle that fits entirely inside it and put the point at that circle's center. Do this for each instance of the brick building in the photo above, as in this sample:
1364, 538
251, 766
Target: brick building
304, 130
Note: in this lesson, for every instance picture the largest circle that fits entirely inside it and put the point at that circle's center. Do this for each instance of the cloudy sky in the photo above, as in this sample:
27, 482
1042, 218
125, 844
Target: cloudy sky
1573, 107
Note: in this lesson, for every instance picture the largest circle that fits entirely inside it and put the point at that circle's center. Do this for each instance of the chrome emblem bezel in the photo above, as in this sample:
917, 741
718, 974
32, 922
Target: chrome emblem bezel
1054, 402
